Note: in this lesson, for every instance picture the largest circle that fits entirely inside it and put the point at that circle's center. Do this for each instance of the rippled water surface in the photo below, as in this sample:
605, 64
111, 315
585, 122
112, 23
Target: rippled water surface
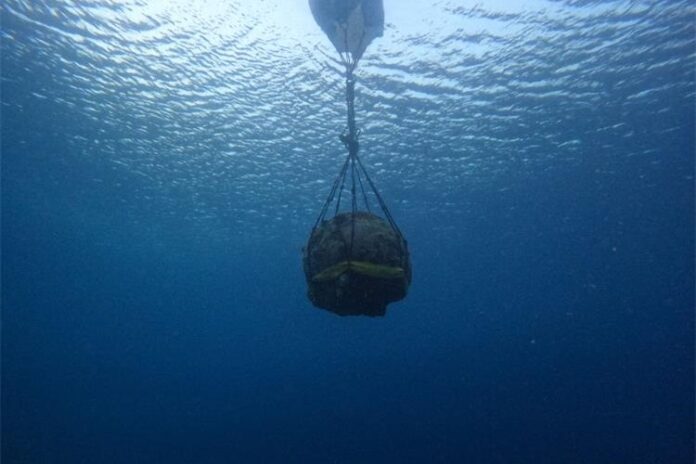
230, 110
163, 163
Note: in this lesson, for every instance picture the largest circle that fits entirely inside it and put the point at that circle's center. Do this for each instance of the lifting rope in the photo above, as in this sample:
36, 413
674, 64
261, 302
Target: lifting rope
350, 139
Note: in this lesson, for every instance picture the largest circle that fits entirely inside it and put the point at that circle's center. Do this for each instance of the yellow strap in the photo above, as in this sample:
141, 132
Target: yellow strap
360, 267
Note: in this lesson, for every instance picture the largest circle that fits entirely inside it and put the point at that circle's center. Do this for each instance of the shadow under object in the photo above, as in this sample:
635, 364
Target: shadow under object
356, 264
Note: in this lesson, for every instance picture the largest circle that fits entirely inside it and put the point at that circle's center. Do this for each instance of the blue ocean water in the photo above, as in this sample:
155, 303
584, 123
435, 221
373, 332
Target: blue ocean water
163, 163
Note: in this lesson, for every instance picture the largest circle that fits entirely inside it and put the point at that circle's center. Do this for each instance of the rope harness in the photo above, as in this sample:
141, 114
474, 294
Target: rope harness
350, 139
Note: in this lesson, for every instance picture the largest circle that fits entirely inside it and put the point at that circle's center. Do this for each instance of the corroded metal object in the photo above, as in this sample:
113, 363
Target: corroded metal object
356, 264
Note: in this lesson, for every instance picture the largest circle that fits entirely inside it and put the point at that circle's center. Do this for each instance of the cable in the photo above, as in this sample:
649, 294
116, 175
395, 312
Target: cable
350, 139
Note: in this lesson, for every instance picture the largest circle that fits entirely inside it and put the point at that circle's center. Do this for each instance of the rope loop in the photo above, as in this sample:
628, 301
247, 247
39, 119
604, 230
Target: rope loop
350, 139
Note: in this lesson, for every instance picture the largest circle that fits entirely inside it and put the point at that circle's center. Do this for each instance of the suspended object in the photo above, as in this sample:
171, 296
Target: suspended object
355, 262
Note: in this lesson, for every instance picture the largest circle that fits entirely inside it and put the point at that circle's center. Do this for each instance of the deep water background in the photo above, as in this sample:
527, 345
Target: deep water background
162, 165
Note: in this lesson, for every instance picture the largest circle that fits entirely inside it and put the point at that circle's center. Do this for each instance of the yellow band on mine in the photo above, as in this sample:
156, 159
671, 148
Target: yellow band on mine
360, 267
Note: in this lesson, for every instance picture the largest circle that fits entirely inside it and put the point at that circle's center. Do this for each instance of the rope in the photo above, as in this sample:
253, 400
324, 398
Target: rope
350, 140
340, 191
381, 202
362, 189
341, 175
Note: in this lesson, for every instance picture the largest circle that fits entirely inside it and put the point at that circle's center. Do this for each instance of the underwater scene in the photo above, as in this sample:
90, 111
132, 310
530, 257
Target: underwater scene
347, 231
